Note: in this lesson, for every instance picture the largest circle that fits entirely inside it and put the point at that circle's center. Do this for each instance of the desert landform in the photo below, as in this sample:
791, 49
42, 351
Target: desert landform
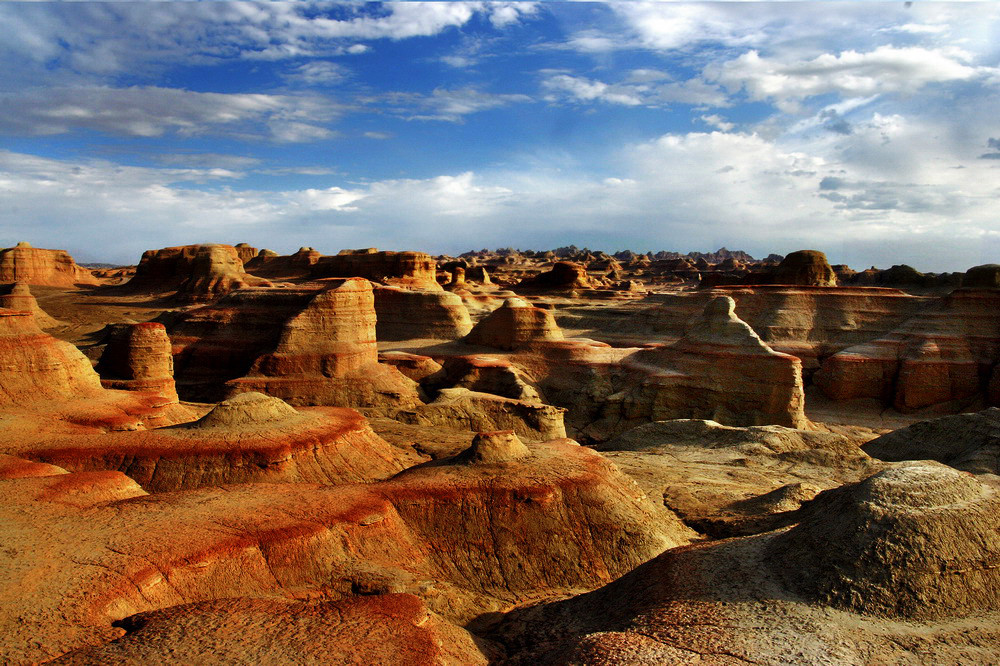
227, 455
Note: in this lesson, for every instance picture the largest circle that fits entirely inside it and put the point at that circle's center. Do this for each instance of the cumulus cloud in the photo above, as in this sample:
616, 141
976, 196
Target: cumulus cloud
150, 111
886, 69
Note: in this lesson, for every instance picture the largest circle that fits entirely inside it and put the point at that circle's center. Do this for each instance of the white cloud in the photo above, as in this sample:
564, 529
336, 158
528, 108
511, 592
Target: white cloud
450, 105
318, 72
887, 69
587, 90
151, 111
641, 87
718, 122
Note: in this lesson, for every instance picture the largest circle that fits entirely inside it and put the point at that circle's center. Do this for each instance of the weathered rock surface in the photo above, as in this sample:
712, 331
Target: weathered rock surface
969, 442
53, 268
460, 408
415, 314
945, 353
314, 345
515, 324
806, 268
197, 273
720, 370
18, 296
401, 268
138, 357
387, 628
563, 276
558, 519
249, 438
878, 551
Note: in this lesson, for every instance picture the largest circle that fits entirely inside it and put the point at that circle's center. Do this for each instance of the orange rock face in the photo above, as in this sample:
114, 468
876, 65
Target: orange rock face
36, 366
84, 550
405, 268
138, 357
53, 268
410, 314
19, 297
804, 268
564, 275
309, 346
515, 324
721, 370
197, 272
942, 354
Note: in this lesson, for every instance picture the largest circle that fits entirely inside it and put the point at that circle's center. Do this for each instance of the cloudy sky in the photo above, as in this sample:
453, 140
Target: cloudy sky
868, 130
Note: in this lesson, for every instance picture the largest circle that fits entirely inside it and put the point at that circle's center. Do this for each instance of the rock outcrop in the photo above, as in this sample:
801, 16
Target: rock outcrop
804, 268
720, 370
400, 268
249, 438
18, 296
268, 264
92, 549
942, 354
197, 273
969, 442
515, 324
51, 268
314, 345
563, 276
418, 314
138, 357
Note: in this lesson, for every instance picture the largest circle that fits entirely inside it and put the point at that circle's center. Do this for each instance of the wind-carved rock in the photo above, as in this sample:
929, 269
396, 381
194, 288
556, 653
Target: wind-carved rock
721, 370
491, 448
307, 346
52, 268
401, 268
18, 296
515, 324
198, 273
138, 358
805, 268
416, 314
564, 276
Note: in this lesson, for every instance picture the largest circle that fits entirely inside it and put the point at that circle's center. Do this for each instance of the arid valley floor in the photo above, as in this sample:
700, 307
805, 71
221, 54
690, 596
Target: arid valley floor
226, 455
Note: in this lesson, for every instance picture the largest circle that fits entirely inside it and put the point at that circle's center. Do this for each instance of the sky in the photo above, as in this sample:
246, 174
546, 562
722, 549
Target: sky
867, 130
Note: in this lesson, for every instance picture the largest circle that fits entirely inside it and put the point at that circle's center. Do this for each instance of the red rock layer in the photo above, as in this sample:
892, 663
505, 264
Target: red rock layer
564, 275
942, 354
467, 536
408, 314
250, 438
138, 357
53, 268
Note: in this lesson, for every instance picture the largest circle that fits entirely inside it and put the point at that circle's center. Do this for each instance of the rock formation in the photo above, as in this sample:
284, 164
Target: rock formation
986, 276
415, 314
943, 354
249, 438
51, 268
92, 550
18, 296
315, 345
969, 442
515, 324
245, 252
401, 268
564, 276
138, 357
720, 370
197, 272
805, 268
273, 266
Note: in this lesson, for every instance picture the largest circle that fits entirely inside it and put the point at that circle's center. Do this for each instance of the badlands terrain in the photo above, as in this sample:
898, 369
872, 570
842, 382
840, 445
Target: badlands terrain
227, 455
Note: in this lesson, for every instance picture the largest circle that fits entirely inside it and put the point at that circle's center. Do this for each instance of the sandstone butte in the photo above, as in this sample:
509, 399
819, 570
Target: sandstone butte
30, 265
246, 457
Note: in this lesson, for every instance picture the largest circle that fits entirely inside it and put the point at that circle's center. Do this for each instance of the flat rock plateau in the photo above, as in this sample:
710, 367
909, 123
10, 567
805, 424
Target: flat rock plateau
224, 455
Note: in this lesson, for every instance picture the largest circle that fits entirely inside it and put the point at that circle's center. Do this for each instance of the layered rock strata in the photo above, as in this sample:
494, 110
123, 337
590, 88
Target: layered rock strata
515, 324
138, 357
18, 296
51, 268
403, 268
416, 314
196, 273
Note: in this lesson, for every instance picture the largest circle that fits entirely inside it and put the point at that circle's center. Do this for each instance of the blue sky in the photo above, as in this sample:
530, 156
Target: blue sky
867, 130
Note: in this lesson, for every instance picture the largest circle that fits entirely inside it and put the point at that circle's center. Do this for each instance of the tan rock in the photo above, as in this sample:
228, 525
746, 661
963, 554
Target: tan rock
53, 268
416, 314
515, 324
138, 358
18, 296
